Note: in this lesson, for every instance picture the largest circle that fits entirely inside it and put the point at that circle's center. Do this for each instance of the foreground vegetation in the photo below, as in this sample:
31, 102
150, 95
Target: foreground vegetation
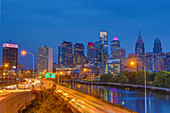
161, 79
47, 102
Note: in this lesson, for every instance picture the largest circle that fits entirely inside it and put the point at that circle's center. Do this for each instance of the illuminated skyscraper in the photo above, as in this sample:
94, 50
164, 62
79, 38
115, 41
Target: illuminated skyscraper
45, 59
69, 53
10, 55
116, 51
157, 46
149, 61
92, 53
167, 62
79, 57
100, 55
104, 40
140, 46
62, 55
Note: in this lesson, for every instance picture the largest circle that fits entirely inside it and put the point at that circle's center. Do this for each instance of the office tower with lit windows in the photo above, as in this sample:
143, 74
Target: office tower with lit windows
139, 49
157, 46
10, 55
45, 59
69, 47
79, 57
116, 51
104, 40
100, 54
167, 62
92, 53
149, 61
62, 55
113, 66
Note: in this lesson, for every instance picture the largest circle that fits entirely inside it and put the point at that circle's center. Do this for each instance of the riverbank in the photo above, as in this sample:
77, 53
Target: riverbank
152, 88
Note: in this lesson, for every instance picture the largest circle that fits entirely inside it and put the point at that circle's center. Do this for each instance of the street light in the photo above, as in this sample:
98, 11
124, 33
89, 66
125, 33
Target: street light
132, 63
91, 78
6, 65
23, 52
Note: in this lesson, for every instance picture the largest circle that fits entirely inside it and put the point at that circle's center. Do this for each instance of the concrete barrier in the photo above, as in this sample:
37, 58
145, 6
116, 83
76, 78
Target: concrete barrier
14, 102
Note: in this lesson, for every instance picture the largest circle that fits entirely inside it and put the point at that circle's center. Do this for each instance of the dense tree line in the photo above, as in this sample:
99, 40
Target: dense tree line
160, 79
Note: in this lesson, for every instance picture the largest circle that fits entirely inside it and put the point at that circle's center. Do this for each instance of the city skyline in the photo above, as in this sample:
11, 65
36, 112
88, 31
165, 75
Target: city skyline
85, 51
81, 22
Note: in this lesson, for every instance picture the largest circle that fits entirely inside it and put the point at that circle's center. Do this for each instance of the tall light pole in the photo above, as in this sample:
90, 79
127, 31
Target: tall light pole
132, 63
90, 77
24, 53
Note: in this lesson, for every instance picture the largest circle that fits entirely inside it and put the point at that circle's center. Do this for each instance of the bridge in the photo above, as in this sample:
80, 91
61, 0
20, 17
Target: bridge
15, 101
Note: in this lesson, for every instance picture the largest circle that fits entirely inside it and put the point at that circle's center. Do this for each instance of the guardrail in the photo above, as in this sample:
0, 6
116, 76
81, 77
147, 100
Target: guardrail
126, 85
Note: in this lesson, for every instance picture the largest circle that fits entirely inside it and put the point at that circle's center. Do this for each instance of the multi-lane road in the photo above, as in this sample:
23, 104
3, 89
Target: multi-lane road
86, 103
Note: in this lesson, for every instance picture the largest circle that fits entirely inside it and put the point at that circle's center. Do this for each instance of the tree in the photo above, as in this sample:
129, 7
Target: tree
162, 79
131, 76
120, 78
106, 77
140, 77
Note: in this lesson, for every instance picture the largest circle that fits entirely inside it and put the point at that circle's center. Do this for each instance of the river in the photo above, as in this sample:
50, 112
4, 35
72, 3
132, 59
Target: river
132, 99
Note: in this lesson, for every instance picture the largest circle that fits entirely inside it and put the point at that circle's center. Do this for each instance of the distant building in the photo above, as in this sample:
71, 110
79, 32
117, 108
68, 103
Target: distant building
116, 51
20, 66
139, 49
149, 61
62, 55
92, 56
134, 58
167, 62
45, 59
92, 53
100, 54
79, 57
104, 40
113, 66
159, 61
69, 53
157, 46
10, 55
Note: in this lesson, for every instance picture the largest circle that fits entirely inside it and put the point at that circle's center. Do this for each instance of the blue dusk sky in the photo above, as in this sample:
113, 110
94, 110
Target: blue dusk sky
33, 23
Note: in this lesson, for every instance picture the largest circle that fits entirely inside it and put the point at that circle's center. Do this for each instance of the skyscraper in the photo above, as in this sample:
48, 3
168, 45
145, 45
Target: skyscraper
62, 55
100, 55
104, 40
10, 55
45, 59
116, 51
149, 61
157, 46
69, 53
139, 49
89, 46
79, 57
92, 53
167, 62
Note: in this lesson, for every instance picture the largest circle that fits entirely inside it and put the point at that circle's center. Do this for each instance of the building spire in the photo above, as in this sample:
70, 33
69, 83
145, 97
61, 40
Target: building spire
139, 33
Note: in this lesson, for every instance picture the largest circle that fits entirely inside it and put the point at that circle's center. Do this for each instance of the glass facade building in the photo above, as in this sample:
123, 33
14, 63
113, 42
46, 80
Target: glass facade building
139, 49
79, 57
157, 46
62, 55
116, 51
69, 53
104, 40
10, 55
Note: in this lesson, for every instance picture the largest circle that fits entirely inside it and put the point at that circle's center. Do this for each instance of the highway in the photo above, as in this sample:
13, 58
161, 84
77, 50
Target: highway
25, 86
86, 103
